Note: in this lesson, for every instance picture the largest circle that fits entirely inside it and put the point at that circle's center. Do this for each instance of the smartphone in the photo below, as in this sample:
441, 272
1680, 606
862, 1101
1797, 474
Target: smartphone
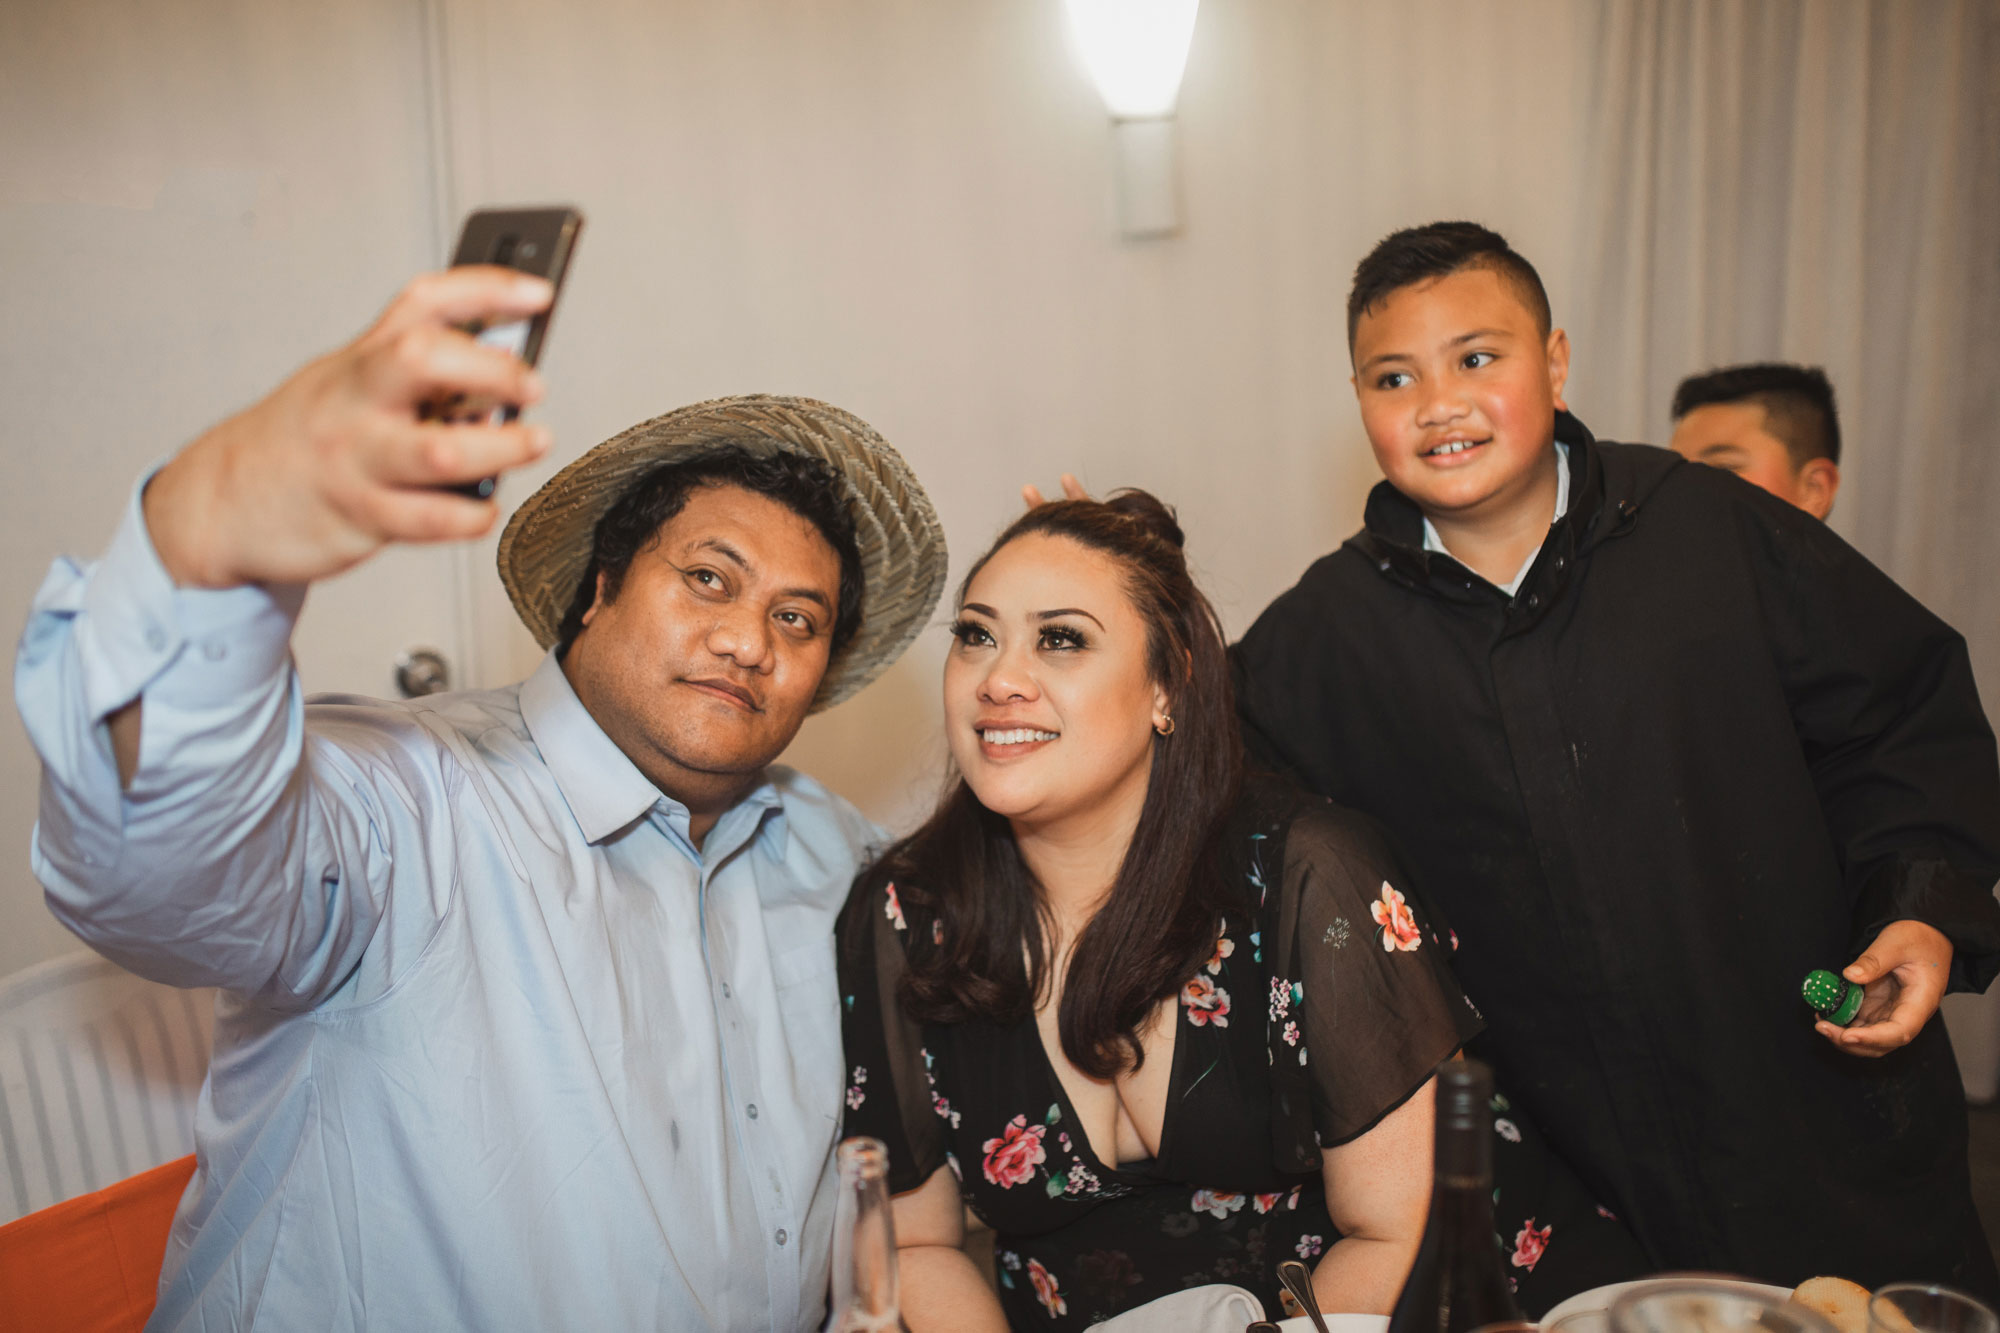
534, 240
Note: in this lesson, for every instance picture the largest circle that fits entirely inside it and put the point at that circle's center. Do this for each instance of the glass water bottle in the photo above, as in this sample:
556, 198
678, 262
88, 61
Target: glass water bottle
865, 1298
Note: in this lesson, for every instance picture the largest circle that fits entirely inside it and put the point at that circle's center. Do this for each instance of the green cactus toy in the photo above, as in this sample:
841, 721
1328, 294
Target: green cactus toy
1832, 996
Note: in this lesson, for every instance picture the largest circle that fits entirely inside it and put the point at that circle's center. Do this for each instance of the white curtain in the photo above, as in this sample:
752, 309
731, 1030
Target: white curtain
1816, 181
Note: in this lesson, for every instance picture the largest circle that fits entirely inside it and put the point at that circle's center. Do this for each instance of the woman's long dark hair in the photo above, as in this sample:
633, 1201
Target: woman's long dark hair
979, 930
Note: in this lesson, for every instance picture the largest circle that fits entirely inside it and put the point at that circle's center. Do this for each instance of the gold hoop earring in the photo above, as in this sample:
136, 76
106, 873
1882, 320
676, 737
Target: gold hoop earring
1168, 729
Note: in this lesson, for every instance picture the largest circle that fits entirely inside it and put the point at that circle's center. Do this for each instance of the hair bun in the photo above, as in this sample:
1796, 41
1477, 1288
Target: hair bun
1150, 512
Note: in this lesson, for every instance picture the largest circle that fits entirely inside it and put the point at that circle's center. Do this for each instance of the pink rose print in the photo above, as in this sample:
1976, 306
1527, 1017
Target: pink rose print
855, 1096
1044, 1283
895, 909
1012, 1158
1206, 1002
1310, 1246
1529, 1244
943, 1108
1264, 1203
1224, 946
1398, 924
1217, 1203
1606, 1213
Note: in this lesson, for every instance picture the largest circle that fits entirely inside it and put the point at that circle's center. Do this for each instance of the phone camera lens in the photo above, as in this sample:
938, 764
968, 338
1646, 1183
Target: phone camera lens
529, 249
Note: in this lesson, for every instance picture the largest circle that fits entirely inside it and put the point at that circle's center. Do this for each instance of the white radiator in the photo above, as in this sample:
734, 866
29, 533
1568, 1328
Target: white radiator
99, 1072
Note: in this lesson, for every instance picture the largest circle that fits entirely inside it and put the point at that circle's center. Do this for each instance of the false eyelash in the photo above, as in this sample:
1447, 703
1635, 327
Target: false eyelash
959, 629
1068, 636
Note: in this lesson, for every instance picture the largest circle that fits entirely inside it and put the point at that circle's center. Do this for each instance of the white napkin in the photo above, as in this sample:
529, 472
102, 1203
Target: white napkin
1216, 1308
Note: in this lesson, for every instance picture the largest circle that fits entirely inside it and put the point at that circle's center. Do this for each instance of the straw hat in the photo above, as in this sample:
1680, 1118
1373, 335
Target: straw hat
546, 547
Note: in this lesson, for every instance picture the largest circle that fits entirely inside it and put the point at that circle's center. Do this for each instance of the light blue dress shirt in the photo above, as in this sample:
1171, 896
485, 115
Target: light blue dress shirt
501, 1047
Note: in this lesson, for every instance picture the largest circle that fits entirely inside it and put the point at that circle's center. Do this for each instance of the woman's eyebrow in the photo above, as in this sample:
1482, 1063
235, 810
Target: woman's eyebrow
1070, 611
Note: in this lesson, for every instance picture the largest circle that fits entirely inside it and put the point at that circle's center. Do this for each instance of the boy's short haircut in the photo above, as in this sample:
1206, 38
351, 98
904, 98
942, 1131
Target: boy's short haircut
1418, 254
1797, 402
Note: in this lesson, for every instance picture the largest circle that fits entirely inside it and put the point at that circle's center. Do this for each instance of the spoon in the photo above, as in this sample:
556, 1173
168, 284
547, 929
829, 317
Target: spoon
1299, 1282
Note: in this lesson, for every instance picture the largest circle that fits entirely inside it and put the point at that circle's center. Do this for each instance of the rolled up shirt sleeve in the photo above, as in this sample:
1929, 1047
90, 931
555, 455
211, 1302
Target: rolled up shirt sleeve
227, 861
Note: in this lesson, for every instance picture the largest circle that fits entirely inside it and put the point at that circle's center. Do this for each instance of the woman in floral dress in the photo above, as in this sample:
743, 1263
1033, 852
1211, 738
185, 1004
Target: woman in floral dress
1157, 1024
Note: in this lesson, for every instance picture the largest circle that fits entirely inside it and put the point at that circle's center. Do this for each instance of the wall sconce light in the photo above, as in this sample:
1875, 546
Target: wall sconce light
1136, 51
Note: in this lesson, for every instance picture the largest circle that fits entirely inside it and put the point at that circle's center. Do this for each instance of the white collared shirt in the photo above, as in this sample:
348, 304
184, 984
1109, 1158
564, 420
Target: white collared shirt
1433, 542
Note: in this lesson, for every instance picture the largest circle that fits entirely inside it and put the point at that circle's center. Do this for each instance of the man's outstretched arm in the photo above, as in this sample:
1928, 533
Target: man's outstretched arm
180, 832
336, 463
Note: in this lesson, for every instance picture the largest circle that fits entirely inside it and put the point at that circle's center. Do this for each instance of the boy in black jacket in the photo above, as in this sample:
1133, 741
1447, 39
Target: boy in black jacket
1658, 744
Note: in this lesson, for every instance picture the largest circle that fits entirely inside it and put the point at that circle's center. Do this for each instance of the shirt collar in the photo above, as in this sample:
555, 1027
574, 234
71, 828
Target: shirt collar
1433, 542
604, 789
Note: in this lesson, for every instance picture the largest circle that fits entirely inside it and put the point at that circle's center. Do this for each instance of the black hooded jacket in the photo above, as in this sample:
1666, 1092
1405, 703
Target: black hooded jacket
1707, 748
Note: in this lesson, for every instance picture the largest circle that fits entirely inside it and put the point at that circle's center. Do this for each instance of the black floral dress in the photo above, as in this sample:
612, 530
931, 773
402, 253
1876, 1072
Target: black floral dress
1324, 1006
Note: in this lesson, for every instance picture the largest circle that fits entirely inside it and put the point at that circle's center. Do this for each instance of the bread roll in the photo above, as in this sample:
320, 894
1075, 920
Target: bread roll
1844, 1303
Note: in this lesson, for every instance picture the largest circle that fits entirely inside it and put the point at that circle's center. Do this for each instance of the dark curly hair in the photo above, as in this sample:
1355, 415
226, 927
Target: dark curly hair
806, 486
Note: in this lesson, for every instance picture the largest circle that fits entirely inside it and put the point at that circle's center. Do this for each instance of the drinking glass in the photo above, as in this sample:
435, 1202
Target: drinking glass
1918, 1307
1694, 1305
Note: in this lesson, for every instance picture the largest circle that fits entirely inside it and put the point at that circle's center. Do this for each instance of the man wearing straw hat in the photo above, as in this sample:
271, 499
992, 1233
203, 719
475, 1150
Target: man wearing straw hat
529, 1016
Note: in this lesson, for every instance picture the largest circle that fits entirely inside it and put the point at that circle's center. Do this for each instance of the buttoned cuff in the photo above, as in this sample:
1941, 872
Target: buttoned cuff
137, 633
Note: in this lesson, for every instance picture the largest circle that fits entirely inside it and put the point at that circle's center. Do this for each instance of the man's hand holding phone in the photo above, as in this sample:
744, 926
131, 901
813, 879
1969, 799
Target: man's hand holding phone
338, 461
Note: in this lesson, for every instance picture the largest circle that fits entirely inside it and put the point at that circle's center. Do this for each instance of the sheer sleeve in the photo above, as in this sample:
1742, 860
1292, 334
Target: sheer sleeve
888, 1079
1363, 1006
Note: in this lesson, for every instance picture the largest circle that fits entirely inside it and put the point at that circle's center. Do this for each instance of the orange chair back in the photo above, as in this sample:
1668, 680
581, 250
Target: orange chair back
91, 1264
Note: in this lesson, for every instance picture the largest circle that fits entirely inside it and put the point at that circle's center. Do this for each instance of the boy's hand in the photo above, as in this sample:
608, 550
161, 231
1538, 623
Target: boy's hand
1902, 977
1072, 490
335, 463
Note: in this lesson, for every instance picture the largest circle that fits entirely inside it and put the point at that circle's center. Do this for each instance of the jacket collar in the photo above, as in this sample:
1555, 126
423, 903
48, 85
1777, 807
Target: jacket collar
1392, 533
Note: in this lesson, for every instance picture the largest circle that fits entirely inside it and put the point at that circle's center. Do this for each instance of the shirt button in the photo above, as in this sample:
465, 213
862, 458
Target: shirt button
782, 1236
725, 990
1534, 600
753, 1110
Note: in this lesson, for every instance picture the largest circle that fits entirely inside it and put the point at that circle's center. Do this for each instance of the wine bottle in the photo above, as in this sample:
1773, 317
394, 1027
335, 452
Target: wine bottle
1459, 1282
865, 1296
